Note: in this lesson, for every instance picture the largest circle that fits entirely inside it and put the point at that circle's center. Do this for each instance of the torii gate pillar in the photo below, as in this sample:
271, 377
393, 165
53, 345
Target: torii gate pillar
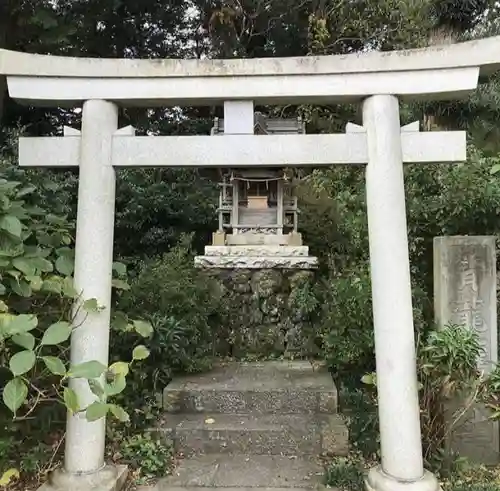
397, 388
84, 451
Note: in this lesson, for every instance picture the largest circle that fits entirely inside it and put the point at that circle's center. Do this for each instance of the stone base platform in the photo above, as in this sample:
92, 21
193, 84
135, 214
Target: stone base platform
255, 262
110, 478
257, 257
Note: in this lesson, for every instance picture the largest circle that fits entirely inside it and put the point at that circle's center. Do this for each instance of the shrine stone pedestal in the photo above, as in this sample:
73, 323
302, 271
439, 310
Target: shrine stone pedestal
267, 292
465, 294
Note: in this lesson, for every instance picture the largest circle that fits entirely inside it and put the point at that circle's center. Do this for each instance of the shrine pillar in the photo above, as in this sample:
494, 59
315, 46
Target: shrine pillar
84, 453
401, 446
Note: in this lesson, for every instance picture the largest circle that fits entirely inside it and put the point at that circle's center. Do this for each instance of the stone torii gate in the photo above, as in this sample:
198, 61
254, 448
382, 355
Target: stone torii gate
378, 80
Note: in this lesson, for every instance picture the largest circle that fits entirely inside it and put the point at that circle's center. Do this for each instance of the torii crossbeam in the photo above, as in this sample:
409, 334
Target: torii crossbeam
246, 150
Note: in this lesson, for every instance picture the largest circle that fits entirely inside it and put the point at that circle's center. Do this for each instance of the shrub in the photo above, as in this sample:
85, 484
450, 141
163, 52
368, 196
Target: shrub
149, 457
449, 384
182, 304
346, 473
345, 322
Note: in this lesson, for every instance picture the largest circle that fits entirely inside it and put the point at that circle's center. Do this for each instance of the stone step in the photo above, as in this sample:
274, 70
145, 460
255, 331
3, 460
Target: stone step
261, 434
277, 387
243, 472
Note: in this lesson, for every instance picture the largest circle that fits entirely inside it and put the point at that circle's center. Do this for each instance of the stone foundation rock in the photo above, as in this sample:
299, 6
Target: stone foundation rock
267, 312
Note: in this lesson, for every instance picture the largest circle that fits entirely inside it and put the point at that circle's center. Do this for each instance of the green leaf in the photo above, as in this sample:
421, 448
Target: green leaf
119, 367
15, 274
11, 224
91, 305
71, 400
369, 379
119, 413
24, 265
3, 290
21, 288
22, 362
120, 322
56, 333
65, 251
8, 476
52, 286
36, 282
65, 265
117, 386
3, 307
42, 264
145, 329
25, 191
11, 250
25, 340
8, 185
96, 411
140, 353
120, 284
68, 289
120, 268
14, 394
88, 370
495, 169
21, 324
55, 365
96, 387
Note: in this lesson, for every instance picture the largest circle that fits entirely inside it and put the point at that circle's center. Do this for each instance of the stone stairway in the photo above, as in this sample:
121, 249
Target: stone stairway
252, 425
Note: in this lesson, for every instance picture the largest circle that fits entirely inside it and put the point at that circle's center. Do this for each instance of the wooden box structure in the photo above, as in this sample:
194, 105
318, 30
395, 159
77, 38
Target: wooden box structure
258, 202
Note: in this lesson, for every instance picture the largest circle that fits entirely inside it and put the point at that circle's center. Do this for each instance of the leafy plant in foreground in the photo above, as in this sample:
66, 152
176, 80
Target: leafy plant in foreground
450, 383
38, 317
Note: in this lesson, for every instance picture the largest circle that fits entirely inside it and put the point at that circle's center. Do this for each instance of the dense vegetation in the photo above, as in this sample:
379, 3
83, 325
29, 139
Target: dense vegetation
165, 216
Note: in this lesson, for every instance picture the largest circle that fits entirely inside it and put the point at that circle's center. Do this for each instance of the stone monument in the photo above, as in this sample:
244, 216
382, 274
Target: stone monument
465, 294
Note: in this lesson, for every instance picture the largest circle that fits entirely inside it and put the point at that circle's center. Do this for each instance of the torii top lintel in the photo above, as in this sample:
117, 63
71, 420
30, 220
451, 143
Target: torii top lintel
438, 72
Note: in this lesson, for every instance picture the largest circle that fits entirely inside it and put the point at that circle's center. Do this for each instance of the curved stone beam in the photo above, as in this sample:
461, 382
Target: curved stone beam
436, 72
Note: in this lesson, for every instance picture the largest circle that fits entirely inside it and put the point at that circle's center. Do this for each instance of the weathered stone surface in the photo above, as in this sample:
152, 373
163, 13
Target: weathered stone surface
111, 478
465, 294
256, 262
300, 277
475, 435
465, 289
265, 313
334, 436
252, 425
164, 487
257, 434
268, 387
291, 239
245, 471
266, 282
252, 250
